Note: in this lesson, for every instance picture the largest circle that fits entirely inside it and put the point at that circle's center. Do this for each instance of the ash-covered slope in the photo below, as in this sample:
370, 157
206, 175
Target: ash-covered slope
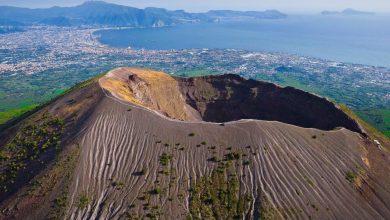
134, 144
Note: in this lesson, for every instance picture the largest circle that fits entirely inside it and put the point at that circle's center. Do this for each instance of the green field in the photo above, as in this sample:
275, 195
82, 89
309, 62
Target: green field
7, 115
379, 118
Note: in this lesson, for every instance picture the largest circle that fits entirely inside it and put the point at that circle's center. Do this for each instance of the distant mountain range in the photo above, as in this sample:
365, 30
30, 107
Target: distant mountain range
98, 13
347, 11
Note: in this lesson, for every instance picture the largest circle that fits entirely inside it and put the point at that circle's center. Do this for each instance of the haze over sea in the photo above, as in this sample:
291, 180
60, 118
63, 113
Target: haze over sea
351, 39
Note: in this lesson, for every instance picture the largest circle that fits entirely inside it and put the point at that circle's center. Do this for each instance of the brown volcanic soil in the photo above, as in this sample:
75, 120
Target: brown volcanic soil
121, 135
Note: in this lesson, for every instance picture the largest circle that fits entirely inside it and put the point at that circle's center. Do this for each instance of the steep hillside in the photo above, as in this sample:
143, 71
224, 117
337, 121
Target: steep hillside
138, 143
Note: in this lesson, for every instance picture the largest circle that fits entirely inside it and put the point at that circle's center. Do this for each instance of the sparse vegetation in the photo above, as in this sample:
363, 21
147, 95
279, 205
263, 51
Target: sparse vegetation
27, 146
213, 159
117, 185
351, 176
155, 191
217, 196
267, 211
83, 201
61, 172
164, 159
59, 204
232, 156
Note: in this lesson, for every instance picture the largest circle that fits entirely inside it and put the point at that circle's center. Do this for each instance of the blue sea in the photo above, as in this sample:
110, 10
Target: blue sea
351, 39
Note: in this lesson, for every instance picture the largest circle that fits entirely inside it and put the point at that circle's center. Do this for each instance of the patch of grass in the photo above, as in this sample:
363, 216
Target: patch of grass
13, 113
155, 191
59, 206
213, 159
164, 159
217, 196
351, 176
232, 156
83, 201
117, 185
267, 211
380, 118
376, 134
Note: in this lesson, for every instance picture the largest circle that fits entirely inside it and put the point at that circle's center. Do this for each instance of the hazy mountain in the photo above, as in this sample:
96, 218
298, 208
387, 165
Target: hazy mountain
268, 14
347, 11
97, 13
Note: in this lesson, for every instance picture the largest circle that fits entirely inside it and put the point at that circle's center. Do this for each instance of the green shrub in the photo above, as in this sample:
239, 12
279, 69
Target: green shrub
232, 156
155, 191
350, 176
164, 159
83, 201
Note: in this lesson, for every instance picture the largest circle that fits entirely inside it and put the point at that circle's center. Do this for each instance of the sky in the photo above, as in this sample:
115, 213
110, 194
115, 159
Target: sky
298, 6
